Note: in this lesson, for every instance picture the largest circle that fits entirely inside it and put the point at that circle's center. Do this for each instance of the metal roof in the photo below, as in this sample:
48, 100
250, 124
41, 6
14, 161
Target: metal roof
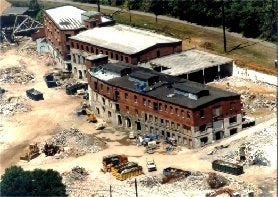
189, 61
66, 17
123, 38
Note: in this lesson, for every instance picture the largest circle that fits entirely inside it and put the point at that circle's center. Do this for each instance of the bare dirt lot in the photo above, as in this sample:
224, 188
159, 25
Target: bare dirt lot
25, 121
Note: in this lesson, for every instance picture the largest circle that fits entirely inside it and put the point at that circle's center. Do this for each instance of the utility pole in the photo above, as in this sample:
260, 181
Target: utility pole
98, 7
136, 193
223, 25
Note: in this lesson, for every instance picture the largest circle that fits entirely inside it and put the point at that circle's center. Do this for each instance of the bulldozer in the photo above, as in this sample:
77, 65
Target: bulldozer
91, 116
31, 152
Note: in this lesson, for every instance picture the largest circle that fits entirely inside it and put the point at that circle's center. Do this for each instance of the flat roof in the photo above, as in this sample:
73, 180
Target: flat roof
95, 57
15, 10
123, 38
66, 17
189, 61
164, 88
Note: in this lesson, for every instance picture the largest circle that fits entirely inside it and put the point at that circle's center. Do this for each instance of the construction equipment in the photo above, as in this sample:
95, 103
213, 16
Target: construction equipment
34, 94
174, 173
151, 165
100, 125
31, 152
151, 147
126, 170
50, 149
91, 116
171, 141
112, 160
227, 167
221, 191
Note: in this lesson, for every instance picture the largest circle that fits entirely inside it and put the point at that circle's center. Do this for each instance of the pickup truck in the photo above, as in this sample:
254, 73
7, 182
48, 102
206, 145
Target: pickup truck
151, 165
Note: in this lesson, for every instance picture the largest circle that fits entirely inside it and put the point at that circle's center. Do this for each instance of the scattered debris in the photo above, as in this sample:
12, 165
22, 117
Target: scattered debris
15, 75
76, 174
11, 105
174, 174
50, 149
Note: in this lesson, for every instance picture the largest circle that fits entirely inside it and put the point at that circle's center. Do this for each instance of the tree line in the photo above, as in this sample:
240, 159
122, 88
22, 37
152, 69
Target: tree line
255, 19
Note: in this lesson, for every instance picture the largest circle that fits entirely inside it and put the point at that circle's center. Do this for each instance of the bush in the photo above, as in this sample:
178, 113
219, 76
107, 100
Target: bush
17, 182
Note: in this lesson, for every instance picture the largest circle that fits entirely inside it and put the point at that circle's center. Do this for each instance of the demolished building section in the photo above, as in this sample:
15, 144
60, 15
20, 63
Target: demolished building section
148, 101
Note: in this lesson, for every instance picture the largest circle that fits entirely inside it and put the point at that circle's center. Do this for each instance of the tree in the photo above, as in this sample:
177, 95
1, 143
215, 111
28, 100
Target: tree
158, 7
17, 182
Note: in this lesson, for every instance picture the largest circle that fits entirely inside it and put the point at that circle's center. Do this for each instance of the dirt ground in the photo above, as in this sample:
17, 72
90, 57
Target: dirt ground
57, 112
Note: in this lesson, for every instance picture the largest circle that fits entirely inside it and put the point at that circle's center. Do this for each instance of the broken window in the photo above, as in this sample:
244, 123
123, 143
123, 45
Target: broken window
182, 113
177, 111
126, 96
160, 107
144, 101
171, 110
149, 103
232, 120
188, 115
135, 98
155, 106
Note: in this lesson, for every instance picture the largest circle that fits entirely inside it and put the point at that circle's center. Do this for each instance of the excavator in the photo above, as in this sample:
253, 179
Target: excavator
91, 116
31, 152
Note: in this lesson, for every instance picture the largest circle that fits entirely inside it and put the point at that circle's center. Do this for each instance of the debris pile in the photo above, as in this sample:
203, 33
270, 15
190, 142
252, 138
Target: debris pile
77, 143
216, 181
76, 174
11, 105
15, 75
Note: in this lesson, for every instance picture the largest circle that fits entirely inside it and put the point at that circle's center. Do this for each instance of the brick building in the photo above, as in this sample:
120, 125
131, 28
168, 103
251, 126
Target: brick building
66, 21
120, 43
148, 101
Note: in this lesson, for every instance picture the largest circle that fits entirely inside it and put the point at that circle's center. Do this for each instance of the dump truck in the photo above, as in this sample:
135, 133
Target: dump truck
91, 116
112, 160
34, 94
31, 152
126, 170
151, 165
227, 167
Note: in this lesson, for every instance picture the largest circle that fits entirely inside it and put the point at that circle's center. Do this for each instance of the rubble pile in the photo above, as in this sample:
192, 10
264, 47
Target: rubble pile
262, 147
76, 174
263, 98
77, 143
216, 181
15, 75
11, 105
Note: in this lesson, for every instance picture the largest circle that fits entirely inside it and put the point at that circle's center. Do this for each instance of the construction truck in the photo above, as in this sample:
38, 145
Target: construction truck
126, 170
112, 160
31, 152
151, 165
91, 116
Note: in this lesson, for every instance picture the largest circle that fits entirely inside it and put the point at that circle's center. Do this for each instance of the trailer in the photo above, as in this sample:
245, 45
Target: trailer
227, 167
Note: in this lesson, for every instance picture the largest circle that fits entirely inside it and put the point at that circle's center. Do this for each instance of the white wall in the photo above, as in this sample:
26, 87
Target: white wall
254, 75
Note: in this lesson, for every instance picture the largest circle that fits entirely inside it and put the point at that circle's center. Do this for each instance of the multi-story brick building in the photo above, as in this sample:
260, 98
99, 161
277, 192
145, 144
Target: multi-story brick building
145, 100
63, 22
122, 43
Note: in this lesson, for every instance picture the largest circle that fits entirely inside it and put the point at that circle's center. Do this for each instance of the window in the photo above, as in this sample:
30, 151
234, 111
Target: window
167, 123
77, 45
126, 59
150, 118
202, 114
182, 113
117, 56
217, 111
92, 50
202, 128
112, 55
122, 58
87, 48
127, 109
161, 121
155, 119
188, 115
101, 86
72, 45
108, 90
103, 100
155, 106
157, 53
160, 106
126, 96
149, 103
232, 120
171, 110
177, 111
178, 126
144, 101
136, 112
101, 51
109, 114
82, 47
96, 51
165, 107
232, 105
135, 98
172, 125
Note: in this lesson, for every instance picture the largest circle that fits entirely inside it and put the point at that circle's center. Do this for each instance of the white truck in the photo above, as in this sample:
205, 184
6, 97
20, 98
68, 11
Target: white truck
151, 165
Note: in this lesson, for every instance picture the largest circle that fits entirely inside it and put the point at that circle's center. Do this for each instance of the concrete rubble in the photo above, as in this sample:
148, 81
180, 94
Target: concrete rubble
77, 173
76, 143
15, 75
10, 105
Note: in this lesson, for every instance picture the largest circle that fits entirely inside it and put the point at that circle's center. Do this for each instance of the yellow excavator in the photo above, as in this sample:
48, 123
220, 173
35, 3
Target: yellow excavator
31, 152
91, 116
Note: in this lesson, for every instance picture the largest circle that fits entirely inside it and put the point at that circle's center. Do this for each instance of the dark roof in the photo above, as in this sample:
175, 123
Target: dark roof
15, 10
165, 93
144, 76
